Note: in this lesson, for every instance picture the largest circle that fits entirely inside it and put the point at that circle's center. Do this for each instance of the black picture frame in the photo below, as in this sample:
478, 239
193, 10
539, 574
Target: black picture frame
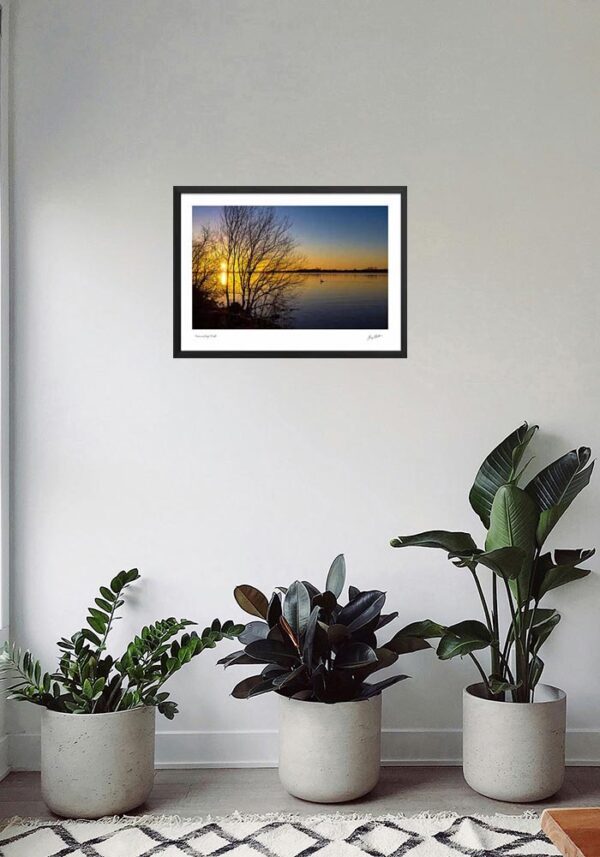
180, 190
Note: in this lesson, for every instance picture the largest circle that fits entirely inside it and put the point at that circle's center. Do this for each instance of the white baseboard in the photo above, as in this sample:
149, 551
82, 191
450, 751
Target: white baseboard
258, 749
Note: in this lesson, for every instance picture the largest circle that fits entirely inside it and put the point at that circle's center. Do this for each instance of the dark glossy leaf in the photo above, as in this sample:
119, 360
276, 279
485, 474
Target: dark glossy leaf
296, 607
451, 542
243, 688
497, 470
309, 637
561, 481
336, 576
362, 610
236, 658
254, 631
353, 591
385, 658
311, 589
369, 690
385, 620
270, 651
289, 679
426, 628
251, 600
402, 644
354, 655
326, 601
337, 634
555, 488
274, 610
463, 638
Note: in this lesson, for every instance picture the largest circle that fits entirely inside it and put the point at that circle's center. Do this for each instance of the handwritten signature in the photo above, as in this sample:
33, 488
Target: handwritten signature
372, 336
205, 335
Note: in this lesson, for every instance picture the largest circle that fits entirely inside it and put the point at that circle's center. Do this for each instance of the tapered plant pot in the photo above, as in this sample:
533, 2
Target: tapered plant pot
514, 751
329, 753
97, 764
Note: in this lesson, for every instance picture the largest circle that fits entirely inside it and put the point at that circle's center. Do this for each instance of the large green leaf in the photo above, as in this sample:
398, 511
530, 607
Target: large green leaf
498, 469
541, 632
426, 628
505, 562
513, 520
563, 571
556, 486
251, 600
296, 607
442, 539
336, 576
562, 480
463, 638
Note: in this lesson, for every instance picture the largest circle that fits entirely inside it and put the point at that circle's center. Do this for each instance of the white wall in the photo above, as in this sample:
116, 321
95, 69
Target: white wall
207, 473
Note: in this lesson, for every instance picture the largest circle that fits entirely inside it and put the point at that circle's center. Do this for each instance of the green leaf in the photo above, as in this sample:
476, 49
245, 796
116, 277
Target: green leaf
498, 469
104, 605
536, 667
513, 520
401, 644
251, 600
565, 570
505, 562
88, 690
106, 593
497, 686
463, 638
426, 628
442, 539
336, 576
96, 624
562, 480
541, 632
296, 607
556, 486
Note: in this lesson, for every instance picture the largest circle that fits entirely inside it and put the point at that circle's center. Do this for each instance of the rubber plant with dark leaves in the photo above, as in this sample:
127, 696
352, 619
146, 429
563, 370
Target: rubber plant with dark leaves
90, 681
518, 521
309, 646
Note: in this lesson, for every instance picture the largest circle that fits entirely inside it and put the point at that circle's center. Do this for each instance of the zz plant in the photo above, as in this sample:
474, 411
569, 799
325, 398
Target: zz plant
312, 647
90, 681
518, 521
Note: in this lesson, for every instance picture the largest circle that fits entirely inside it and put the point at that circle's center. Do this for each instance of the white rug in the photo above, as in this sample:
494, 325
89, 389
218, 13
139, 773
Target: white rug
424, 835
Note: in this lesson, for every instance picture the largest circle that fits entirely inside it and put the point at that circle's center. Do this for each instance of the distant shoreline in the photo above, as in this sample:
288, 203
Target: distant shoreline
340, 271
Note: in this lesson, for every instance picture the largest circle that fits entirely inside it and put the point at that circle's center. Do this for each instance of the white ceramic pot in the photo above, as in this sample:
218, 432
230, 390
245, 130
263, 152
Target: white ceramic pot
514, 751
97, 764
329, 753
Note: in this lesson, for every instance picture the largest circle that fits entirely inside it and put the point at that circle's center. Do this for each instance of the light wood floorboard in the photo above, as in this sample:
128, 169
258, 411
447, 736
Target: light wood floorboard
251, 790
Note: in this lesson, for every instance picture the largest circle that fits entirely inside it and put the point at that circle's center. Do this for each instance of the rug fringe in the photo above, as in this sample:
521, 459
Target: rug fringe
174, 820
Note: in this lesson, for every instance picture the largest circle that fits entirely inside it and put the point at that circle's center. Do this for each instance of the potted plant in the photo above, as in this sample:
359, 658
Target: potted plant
99, 712
317, 655
513, 726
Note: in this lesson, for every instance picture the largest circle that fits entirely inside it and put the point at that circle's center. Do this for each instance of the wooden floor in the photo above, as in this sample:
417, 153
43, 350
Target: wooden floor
249, 790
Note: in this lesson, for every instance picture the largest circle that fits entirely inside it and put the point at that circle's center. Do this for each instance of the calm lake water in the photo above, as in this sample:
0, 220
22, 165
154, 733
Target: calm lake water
341, 301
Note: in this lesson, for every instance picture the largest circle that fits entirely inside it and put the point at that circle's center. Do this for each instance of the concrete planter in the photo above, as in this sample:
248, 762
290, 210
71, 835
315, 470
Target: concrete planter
514, 751
97, 764
329, 753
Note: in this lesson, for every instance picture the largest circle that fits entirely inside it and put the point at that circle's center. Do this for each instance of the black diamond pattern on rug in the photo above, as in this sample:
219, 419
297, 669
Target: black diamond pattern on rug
239, 836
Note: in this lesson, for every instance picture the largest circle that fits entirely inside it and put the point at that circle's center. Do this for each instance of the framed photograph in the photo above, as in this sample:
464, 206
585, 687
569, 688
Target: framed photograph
289, 272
